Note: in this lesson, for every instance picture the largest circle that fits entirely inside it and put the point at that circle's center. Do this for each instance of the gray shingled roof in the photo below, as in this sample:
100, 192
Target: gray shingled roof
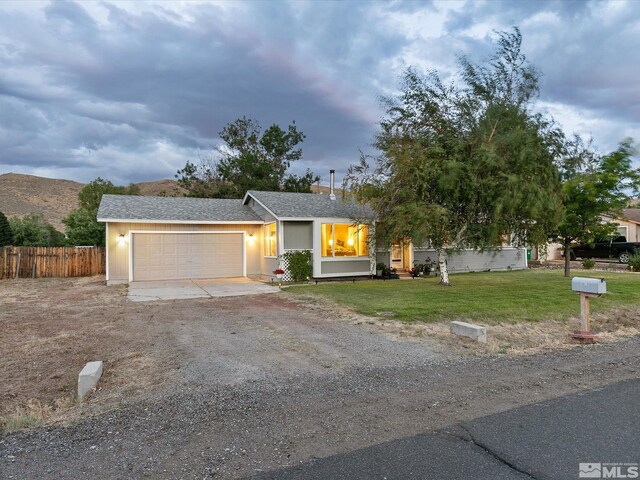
130, 207
310, 205
631, 214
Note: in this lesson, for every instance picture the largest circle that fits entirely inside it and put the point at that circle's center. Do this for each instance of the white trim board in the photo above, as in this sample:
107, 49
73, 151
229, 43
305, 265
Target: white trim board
244, 202
106, 243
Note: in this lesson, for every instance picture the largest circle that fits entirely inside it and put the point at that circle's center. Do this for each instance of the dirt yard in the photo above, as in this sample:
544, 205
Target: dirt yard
50, 328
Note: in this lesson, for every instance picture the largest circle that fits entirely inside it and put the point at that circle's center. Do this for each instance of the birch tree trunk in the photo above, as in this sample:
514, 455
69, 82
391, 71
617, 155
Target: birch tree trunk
442, 265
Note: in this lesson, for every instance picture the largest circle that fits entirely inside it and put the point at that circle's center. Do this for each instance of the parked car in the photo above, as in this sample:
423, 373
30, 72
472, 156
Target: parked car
614, 247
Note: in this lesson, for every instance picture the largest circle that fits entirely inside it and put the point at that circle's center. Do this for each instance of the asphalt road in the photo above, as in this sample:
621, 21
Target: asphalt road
547, 440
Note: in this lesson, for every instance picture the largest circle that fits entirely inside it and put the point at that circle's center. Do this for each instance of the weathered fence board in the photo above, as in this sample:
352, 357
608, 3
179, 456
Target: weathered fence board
34, 262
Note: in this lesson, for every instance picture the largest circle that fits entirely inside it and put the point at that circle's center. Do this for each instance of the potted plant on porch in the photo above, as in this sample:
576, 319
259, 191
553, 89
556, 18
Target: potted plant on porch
380, 268
429, 267
279, 272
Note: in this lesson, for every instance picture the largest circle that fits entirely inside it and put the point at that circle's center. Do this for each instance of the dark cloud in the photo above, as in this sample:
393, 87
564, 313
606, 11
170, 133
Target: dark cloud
588, 54
133, 91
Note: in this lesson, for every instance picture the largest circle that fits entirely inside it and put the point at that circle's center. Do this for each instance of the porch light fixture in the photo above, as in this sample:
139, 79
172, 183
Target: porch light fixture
121, 239
251, 238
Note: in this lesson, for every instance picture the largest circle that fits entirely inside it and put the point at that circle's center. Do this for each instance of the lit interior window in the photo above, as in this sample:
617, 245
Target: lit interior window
344, 240
270, 240
327, 240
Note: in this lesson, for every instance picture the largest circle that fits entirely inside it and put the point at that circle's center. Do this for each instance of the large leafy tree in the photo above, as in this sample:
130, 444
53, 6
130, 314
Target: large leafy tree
6, 236
595, 189
250, 159
465, 164
82, 227
34, 231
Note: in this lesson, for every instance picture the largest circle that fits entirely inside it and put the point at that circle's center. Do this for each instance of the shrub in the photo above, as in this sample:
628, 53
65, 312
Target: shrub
634, 262
34, 231
83, 229
588, 263
300, 266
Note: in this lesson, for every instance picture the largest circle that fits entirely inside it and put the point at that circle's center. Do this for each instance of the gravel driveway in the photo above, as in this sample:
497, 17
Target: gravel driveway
269, 336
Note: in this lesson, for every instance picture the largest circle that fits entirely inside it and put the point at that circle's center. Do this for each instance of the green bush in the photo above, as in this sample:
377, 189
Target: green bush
634, 262
300, 266
588, 263
33, 231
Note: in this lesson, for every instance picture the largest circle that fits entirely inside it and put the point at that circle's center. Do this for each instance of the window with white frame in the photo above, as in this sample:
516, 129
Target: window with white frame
269, 236
345, 240
623, 231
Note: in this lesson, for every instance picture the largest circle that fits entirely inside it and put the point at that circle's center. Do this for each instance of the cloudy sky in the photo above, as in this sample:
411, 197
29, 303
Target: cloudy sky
131, 91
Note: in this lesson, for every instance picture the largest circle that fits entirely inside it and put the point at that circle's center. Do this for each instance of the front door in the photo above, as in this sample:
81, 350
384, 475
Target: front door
401, 256
397, 254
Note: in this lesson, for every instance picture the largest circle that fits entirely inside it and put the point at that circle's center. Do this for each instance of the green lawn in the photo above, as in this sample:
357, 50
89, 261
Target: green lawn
528, 295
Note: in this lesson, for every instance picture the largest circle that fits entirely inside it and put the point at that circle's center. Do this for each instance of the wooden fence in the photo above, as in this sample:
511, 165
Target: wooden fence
33, 262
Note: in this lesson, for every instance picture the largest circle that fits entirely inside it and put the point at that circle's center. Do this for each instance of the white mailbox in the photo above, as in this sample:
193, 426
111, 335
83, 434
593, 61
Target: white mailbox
595, 286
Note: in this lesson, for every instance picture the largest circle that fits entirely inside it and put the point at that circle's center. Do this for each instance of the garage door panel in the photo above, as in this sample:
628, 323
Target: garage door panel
163, 256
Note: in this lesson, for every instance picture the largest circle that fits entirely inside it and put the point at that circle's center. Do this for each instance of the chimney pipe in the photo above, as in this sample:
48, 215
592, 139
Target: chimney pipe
332, 182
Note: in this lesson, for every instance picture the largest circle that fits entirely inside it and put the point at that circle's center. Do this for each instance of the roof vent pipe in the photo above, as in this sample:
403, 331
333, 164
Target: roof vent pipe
332, 183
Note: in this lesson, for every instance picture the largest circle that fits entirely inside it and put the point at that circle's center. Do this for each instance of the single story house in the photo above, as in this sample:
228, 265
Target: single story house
171, 238
167, 238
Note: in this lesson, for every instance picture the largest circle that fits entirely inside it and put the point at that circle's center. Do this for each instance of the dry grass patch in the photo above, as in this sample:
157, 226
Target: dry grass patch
515, 339
35, 413
50, 328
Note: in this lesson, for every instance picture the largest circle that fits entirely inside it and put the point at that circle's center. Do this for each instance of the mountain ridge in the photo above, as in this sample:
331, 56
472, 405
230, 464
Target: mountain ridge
22, 194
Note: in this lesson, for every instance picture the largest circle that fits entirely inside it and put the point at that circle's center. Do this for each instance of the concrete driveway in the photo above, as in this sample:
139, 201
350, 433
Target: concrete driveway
202, 288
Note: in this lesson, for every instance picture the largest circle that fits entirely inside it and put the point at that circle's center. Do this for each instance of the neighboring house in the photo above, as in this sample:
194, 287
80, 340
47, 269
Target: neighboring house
167, 238
628, 226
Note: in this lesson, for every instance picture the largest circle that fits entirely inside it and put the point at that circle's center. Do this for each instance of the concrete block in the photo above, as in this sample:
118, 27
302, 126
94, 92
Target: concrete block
88, 378
475, 332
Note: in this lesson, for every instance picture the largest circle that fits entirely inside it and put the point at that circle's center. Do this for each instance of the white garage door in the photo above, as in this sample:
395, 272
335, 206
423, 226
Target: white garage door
174, 256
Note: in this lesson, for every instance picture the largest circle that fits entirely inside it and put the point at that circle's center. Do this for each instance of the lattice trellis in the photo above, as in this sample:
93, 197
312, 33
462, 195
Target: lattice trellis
284, 265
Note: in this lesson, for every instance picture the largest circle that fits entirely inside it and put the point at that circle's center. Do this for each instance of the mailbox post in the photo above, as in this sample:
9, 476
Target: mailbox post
586, 287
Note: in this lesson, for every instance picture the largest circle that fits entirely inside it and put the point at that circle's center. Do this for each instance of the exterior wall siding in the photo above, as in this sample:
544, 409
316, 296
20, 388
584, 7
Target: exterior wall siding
268, 265
119, 254
632, 230
507, 258
383, 257
349, 267
298, 235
